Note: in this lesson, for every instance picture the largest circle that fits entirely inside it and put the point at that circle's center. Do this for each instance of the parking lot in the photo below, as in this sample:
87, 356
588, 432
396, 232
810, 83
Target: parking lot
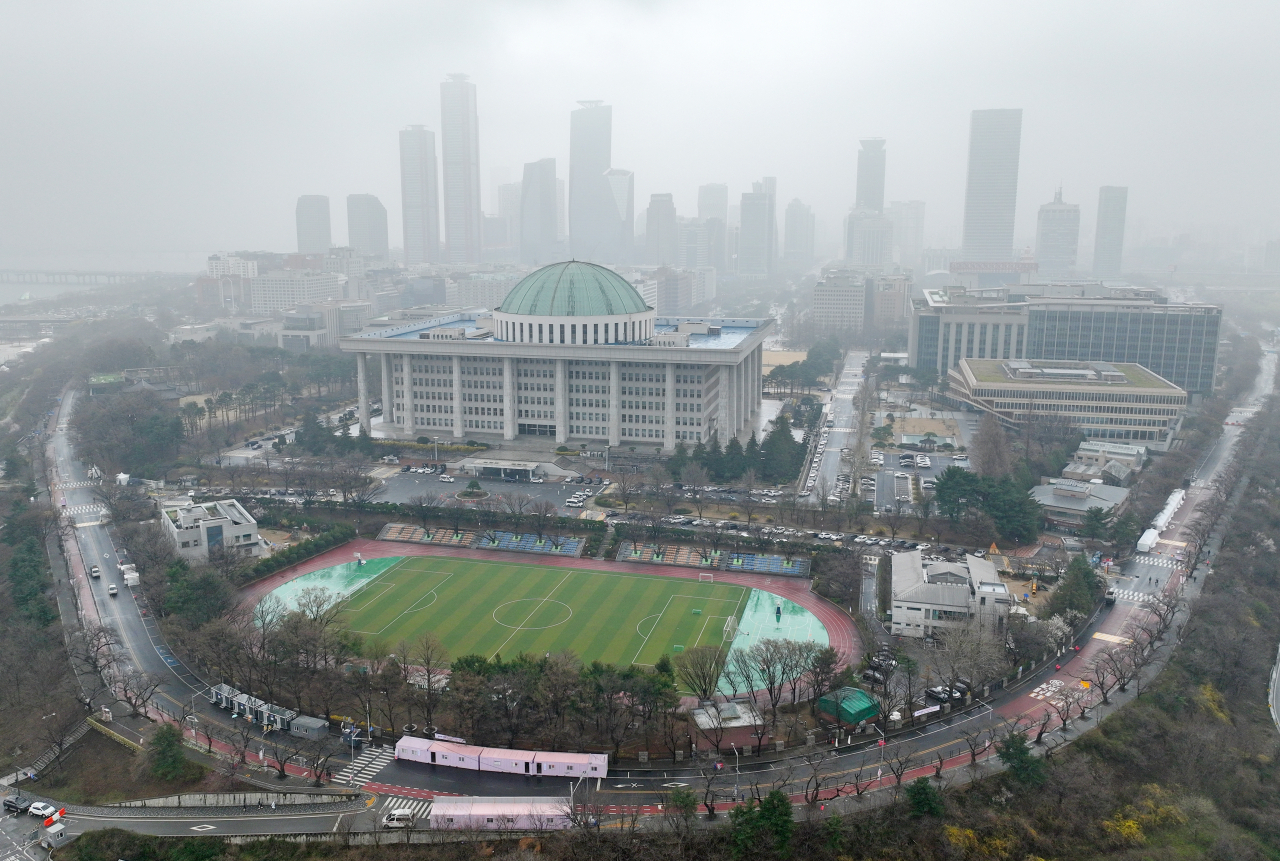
893, 479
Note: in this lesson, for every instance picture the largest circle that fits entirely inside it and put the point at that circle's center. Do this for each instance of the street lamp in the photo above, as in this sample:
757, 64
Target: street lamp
736, 770
435, 441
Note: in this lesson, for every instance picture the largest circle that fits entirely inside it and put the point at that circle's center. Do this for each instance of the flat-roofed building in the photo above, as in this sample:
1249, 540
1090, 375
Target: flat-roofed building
1101, 400
1065, 502
196, 529
929, 600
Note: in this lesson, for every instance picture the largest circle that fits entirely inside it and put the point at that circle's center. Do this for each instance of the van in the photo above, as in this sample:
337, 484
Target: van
401, 818
112, 590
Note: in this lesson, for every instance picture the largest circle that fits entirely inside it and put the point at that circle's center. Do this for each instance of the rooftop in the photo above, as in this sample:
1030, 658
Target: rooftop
1039, 372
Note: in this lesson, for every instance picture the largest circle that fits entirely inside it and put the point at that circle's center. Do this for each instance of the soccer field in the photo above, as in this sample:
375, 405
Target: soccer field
489, 608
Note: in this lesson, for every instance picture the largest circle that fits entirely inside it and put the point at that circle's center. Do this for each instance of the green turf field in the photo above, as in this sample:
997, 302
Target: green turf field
489, 608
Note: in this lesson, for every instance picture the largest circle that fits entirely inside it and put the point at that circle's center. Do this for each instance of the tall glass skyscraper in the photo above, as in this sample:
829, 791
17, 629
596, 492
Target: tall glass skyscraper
1108, 243
1057, 237
367, 225
593, 220
312, 218
871, 163
419, 196
991, 194
460, 150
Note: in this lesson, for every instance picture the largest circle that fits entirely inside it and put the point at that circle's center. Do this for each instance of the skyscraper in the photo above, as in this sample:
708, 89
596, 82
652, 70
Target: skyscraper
1108, 243
800, 229
757, 237
871, 160
460, 150
419, 196
713, 201
539, 220
622, 203
868, 242
593, 219
1058, 237
995, 140
713, 210
367, 225
312, 217
662, 235
907, 217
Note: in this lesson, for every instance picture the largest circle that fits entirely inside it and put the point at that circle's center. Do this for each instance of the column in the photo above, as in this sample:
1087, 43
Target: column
457, 396
562, 402
670, 421
615, 406
362, 389
388, 397
509, 414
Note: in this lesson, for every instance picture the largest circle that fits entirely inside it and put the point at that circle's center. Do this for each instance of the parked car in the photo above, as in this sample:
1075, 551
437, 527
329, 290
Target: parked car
449, 479
42, 810
399, 818
873, 676
17, 803
944, 695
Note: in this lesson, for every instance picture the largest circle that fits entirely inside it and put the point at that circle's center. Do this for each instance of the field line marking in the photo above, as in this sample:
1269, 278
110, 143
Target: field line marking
536, 608
353, 609
411, 609
645, 641
374, 579
707, 619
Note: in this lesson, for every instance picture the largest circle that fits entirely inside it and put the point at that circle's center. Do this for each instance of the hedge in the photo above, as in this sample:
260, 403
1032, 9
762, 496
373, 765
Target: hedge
340, 534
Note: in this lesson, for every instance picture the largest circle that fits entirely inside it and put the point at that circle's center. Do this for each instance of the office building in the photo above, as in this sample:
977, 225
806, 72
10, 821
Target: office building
840, 301
594, 219
539, 215
367, 225
907, 218
319, 325
871, 164
419, 196
219, 265
460, 153
1065, 502
1057, 238
280, 289
868, 240
312, 216
991, 193
928, 601
622, 199
800, 229
1070, 323
693, 243
221, 525
675, 291
1102, 400
757, 233
481, 289
574, 354
888, 301
662, 232
713, 201
1108, 243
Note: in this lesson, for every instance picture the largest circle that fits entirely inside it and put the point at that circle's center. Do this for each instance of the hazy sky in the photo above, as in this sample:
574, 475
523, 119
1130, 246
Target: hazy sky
163, 127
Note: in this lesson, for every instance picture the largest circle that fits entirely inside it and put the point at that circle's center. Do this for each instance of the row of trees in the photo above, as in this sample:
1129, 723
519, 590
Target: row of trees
777, 460
820, 362
963, 494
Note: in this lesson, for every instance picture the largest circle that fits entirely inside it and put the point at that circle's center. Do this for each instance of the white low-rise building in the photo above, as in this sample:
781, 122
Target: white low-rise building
195, 528
930, 600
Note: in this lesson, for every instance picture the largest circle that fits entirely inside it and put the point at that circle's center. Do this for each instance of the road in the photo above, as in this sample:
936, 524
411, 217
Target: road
844, 432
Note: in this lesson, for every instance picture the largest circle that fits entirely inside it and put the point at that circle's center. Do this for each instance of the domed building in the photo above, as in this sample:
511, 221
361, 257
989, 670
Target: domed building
573, 353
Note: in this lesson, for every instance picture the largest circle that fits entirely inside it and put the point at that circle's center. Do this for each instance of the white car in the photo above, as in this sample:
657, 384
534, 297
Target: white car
572, 504
42, 810
448, 479
537, 481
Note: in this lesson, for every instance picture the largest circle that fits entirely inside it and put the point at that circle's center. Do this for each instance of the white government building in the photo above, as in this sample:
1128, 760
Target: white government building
573, 353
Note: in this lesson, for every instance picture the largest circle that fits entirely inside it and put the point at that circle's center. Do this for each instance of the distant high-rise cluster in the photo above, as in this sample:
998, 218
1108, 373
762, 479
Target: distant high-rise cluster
419, 196
312, 215
367, 225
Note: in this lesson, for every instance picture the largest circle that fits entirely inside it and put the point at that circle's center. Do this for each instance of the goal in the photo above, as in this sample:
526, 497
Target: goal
730, 628
706, 577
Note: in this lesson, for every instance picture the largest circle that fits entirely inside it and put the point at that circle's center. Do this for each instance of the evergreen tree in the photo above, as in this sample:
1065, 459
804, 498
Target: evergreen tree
752, 450
679, 460
735, 461
715, 459
165, 753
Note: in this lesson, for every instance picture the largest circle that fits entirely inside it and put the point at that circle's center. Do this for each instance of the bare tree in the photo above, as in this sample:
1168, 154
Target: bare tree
747, 501
429, 661
990, 449
543, 511
515, 503
137, 690
93, 648
699, 669
694, 478
627, 488
424, 506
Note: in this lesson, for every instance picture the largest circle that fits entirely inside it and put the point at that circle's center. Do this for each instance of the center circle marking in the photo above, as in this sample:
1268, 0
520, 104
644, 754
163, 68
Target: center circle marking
524, 607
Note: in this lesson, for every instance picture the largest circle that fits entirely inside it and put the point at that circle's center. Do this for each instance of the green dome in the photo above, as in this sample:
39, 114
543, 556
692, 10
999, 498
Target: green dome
573, 289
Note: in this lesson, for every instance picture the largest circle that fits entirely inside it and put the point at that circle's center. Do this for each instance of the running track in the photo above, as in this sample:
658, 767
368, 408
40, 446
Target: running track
841, 632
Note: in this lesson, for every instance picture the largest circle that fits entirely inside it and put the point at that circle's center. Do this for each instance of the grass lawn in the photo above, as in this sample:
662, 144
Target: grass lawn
98, 770
488, 608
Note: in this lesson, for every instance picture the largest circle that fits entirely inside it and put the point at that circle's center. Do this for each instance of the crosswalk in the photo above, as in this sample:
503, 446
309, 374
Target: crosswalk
420, 807
91, 508
71, 485
1161, 561
366, 765
1132, 595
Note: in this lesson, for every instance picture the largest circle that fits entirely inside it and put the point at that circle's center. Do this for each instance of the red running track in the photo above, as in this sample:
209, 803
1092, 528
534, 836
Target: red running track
841, 632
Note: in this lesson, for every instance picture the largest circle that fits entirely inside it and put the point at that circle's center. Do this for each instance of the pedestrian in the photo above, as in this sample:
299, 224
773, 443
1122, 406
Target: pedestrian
273, 805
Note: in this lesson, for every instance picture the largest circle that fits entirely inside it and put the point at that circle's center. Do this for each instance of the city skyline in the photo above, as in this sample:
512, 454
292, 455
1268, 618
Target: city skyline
234, 183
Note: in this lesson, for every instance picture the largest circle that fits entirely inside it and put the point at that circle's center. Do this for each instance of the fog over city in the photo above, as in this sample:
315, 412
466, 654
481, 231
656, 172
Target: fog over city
147, 135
